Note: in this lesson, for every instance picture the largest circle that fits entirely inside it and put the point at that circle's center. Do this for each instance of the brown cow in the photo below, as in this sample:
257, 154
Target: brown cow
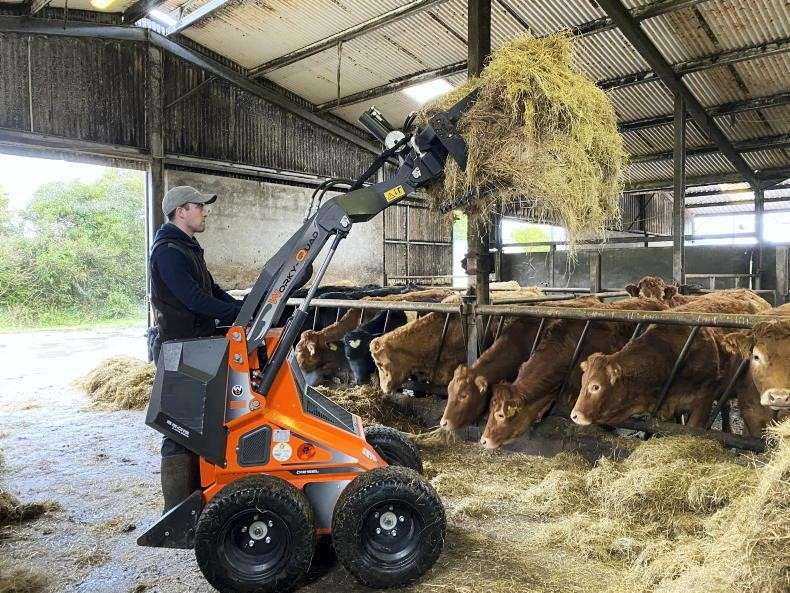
767, 346
627, 383
654, 287
467, 392
322, 349
410, 351
515, 407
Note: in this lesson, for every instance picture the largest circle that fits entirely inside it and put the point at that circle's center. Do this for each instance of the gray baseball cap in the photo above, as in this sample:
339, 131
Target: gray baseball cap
183, 194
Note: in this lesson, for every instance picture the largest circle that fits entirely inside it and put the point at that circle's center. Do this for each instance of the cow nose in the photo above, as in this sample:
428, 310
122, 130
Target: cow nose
776, 398
579, 418
484, 441
443, 423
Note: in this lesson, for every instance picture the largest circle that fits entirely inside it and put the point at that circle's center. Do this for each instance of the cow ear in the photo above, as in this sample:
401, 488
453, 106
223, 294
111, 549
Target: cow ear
632, 289
669, 292
460, 371
739, 343
614, 371
481, 383
584, 366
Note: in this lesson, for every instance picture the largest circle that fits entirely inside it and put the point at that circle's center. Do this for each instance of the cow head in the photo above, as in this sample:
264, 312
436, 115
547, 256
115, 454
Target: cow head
652, 287
604, 397
308, 351
356, 347
388, 380
509, 415
767, 347
467, 396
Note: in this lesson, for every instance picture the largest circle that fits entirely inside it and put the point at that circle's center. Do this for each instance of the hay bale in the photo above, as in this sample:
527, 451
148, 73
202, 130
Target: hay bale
20, 579
119, 383
541, 134
13, 511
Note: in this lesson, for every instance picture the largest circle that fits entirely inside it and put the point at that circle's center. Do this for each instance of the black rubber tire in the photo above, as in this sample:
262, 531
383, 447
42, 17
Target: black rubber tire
394, 446
374, 559
220, 547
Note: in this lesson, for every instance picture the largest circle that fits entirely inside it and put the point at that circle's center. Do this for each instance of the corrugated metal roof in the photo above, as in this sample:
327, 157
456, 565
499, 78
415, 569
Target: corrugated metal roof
254, 32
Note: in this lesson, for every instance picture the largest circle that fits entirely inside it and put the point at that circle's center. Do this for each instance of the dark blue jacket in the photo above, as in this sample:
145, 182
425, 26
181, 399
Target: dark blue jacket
183, 292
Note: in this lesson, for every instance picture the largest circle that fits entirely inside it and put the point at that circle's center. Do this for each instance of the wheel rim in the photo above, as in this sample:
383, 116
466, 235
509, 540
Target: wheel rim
254, 544
391, 533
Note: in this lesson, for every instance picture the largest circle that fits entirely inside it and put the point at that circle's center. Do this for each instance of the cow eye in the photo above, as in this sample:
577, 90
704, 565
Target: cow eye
594, 387
462, 395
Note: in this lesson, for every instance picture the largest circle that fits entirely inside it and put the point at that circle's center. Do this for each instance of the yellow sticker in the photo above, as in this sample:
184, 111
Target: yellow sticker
394, 193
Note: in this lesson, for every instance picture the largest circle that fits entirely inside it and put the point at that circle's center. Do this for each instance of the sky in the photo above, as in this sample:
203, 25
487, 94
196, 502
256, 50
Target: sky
21, 176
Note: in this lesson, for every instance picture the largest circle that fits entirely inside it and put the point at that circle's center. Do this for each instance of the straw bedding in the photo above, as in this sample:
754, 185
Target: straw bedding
541, 134
119, 383
679, 515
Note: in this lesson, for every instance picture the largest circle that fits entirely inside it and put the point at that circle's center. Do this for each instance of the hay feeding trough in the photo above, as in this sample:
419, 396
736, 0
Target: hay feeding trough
542, 136
119, 383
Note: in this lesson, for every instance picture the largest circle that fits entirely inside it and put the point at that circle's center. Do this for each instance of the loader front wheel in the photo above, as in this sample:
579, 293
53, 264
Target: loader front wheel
388, 527
394, 447
256, 535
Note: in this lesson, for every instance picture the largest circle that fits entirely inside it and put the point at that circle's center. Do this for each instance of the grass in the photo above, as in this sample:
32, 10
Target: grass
14, 319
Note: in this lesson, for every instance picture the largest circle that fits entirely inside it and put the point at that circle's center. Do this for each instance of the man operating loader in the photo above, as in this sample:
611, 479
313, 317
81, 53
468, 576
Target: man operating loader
187, 303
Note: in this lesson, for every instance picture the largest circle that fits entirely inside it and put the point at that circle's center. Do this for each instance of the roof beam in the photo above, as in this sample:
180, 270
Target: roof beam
353, 32
737, 202
653, 57
725, 109
196, 16
766, 177
725, 58
754, 145
74, 29
139, 10
596, 26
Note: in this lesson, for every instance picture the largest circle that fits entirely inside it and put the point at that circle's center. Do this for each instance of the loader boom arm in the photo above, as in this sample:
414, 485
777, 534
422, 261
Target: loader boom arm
422, 157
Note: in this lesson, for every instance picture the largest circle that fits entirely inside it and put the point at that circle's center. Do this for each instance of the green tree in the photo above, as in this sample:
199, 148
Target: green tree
532, 234
79, 251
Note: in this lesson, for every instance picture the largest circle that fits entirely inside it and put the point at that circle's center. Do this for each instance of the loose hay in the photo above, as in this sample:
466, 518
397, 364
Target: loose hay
15, 579
119, 383
13, 511
541, 135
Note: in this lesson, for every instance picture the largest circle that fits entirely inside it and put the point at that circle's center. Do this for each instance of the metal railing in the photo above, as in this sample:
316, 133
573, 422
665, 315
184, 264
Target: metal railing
533, 307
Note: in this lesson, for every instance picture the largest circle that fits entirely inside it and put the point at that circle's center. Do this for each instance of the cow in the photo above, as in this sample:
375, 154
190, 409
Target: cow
654, 287
767, 347
468, 391
515, 407
320, 353
356, 343
627, 383
412, 349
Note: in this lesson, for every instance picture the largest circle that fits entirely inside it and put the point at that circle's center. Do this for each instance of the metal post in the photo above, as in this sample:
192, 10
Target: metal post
538, 335
781, 276
725, 395
677, 366
575, 358
552, 261
678, 199
759, 231
595, 272
441, 345
637, 331
155, 179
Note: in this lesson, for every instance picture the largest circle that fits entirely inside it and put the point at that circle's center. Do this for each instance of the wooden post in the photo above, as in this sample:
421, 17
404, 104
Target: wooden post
155, 179
781, 275
759, 231
596, 285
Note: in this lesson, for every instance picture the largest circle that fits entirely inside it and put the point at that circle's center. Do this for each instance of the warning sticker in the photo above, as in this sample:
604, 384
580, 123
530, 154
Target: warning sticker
282, 452
281, 436
394, 193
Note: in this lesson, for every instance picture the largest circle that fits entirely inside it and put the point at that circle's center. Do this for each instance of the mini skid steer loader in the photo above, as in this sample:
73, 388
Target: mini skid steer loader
281, 465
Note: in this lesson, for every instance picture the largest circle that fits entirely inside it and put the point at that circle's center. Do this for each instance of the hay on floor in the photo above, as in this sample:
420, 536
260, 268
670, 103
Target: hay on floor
119, 383
13, 511
20, 579
541, 135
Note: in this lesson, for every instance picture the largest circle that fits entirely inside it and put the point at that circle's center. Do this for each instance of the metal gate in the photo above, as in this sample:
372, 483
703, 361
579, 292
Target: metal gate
418, 245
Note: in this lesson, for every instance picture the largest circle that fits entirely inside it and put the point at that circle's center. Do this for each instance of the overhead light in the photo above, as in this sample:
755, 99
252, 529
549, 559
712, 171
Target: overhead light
101, 4
162, 18
422, 93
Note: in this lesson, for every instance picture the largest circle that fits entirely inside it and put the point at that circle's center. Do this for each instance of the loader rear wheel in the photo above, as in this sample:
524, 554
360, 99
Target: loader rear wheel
256, 535
388, 527
394, 447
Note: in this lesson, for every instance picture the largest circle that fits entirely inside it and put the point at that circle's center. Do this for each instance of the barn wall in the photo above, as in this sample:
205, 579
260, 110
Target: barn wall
251, 220
621, 266
94, 90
